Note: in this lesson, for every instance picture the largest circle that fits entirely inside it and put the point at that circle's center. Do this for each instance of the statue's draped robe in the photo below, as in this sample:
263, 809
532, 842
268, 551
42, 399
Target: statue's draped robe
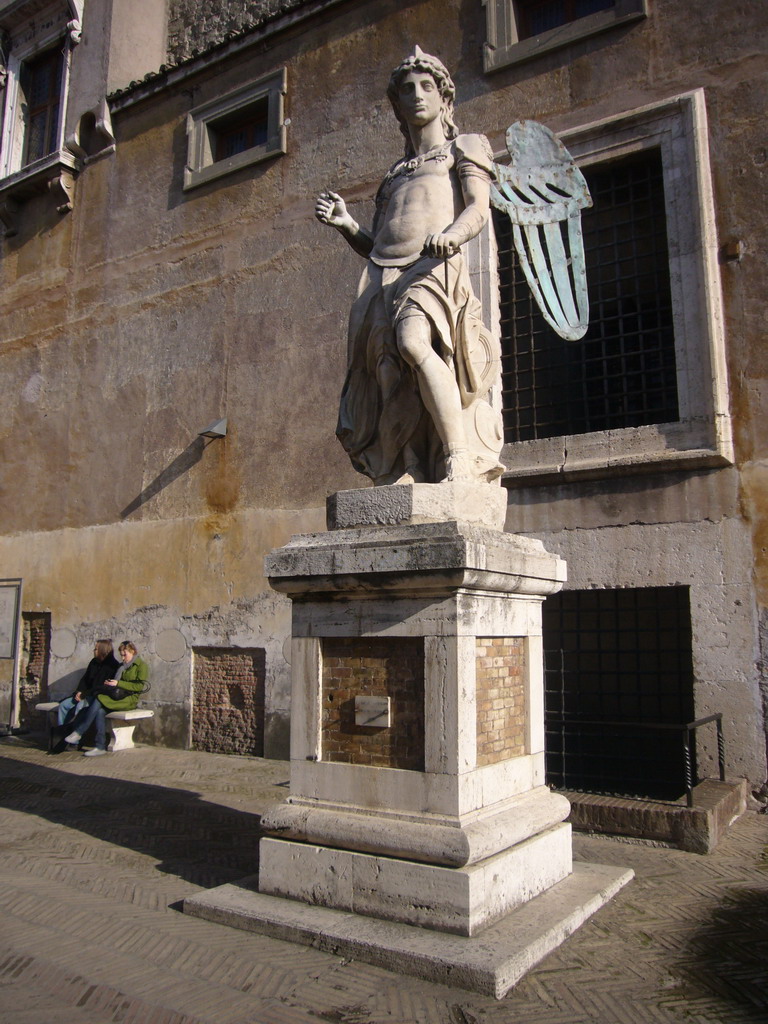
383, 424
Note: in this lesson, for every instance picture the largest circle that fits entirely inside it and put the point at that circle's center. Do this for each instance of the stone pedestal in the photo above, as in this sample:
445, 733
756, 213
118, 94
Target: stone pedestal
417, 721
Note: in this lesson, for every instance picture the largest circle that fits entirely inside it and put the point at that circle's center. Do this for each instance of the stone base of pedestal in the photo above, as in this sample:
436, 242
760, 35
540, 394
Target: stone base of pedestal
459, 900
413, 504
418, 834
490, 963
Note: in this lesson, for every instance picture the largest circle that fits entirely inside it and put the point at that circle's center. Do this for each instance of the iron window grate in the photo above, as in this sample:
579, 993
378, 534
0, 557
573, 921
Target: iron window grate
623, 373
617, 663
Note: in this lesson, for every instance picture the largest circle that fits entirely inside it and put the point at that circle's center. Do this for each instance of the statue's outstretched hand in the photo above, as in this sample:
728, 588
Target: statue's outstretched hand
331, 209
442, 245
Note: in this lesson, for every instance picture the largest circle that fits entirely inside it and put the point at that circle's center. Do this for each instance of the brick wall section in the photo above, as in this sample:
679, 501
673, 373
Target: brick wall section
228, 700
500, 699
33, 674
377, 667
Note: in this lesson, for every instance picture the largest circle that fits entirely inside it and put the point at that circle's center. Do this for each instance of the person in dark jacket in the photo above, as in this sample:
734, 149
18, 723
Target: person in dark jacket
101, 667
119, 694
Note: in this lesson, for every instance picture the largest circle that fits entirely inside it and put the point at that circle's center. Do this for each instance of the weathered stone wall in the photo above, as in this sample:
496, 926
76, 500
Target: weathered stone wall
170, 586
374, 667
134, 321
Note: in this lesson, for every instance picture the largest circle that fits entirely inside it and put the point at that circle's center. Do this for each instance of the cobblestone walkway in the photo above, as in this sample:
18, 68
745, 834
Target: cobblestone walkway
96, 853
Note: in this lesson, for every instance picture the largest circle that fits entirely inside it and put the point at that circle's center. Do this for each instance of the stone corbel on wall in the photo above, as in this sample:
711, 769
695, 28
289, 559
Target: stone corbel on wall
74, 31
62, 188
93, 137
9, 208
54, 174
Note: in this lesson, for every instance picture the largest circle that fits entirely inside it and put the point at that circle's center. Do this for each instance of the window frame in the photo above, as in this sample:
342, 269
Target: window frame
31, 30
12, 139
504, 46
702, 434
201, 167
31, 69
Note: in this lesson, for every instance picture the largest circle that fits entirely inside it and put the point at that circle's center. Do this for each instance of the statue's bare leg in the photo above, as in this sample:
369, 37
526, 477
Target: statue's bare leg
388, 375
439, 392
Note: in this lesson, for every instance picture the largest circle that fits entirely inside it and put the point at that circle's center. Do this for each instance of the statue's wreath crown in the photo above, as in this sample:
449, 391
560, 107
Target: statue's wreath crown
420, 61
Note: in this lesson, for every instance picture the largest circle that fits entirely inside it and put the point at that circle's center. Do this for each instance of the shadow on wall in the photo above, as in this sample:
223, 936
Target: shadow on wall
203, 843
180, 465
65, 685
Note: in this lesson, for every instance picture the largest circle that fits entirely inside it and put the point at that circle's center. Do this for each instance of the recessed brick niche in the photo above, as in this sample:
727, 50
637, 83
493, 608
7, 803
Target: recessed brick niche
374, 667
228, 701
500, 695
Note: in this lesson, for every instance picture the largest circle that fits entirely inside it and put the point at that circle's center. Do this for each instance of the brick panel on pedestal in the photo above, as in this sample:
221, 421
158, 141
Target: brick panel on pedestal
374, 667
500, 696
228, 700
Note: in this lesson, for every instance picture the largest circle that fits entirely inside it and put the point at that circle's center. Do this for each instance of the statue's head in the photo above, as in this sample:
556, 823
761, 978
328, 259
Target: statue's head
425, 64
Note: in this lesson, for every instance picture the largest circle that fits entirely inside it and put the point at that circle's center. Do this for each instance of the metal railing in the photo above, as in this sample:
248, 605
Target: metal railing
687, 731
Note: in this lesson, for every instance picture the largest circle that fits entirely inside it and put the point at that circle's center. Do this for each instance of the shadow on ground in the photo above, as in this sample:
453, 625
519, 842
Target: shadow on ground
201, 842
728, 955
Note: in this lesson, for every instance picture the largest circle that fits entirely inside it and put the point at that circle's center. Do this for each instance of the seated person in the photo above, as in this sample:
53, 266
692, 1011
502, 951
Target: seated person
119, 694
101, 667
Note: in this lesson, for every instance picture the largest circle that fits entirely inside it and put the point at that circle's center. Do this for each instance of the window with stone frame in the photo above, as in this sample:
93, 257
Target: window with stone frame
537, 16
36, 42
623, 373
41, 87
37, 39
647, 384
518, 30
235, 131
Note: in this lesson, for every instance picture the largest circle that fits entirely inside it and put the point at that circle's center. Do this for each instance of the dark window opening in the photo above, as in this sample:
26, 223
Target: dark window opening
623, 372
618, 664
240, 131
537, 16
41, 85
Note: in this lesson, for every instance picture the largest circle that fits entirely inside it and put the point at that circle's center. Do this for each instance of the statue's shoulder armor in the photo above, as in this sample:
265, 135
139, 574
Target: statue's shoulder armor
476, 149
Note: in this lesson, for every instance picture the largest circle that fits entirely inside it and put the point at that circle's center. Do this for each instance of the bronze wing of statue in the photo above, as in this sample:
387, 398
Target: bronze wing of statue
543, 192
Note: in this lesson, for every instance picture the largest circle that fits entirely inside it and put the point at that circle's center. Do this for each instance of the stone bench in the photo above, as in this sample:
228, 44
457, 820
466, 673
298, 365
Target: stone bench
120, 724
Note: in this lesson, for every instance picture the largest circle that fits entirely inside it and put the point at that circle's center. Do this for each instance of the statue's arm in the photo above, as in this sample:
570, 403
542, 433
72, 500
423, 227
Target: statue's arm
476, 189
331, 209
475, 168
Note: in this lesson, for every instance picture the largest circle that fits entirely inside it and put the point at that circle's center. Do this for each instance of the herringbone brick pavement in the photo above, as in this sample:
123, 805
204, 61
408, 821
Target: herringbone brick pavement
95, 856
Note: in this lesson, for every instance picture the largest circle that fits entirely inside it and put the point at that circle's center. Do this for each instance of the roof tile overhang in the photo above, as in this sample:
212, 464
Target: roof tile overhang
168, 75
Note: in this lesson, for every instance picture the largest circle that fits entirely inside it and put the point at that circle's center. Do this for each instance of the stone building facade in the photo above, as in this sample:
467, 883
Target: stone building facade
162, 270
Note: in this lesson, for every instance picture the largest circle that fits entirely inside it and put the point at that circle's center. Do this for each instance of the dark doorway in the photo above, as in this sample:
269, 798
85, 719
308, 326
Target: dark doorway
618, 669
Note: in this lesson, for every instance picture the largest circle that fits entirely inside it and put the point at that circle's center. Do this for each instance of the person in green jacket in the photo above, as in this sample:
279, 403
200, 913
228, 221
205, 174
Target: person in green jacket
119, 694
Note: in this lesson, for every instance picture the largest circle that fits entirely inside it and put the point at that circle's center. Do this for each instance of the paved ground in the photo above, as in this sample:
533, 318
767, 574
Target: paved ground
95, 854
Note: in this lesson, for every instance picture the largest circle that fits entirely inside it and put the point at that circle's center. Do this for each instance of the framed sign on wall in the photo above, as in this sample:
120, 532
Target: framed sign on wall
10, 618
